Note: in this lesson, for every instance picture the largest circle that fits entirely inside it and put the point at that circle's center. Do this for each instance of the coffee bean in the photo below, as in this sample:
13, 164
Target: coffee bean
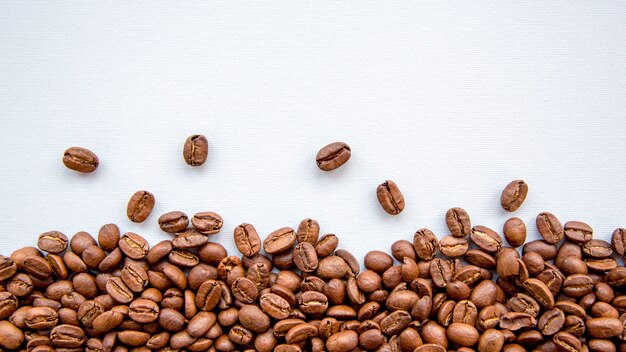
174, 221
140, 206
514, 195
133, 245
80, 159
304, 257
108, 237
207, 222
279, 240
618, 241
597, 249
52, 242
604, 327
453, 247
342, 341
425, 244
245, 290
8, 304
565, 342
390, 197
539, 291
195, 150
515, 321
188, 239
549, 227
11, 337
253, 318
247, 240
37, 267
67, 336
463, 334
333, 156
515, 232
486, 239
208, 295
551, 322
301, 332
458, 222
308, 231
275, 306
353, 263
326, 245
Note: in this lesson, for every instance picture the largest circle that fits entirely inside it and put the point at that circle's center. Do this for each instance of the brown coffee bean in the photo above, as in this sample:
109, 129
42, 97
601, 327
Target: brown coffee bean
332, 267
453, 247
578, 232
390, 197
304, 257
403, 248
275, 306
480, 259
551, 322
515, 321
11, 337
133, 338
37, 267
333, 156
308, 231
549, 227
20, 285
52, 242
514, 195
7, 267
174, 221
539, 291
195, 150
140, 206
604, 327
119, 291
208, 295
8, 304
342, 341
279, 240
486, 239
245, 290
247, 240
616, 277
80, 159
353, 263
463, 334
430, 347
93, 256
301, 332
134, 246
458, 222
253, 318
188, 239
395, 322
565, 342
618, 241
80, 241
143, 311
67, 336
546, 250
577, 285
326, 245
441, 272
425, 244
515, 232
597, 249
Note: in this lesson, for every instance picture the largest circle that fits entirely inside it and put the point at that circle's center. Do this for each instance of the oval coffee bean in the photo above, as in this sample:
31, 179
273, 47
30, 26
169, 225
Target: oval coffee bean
140, 206
486, 239
618, 241
453, 247
566, 342
515, 232
11, 337
174, 221
52, 242
207, 222
463, 334
342, 341
425, 244
247, 240
80, 159
603, 328
275, 306
209, 295
578, 231
67, 336
308, 231
390, 197
304, 257
458, 222
279, 240
333, 156
134, 246
549, 227
514, 195
143, 311
195, 150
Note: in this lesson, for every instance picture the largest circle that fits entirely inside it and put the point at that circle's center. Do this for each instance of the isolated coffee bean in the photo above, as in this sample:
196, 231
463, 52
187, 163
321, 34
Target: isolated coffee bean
80, 159
140, 206
174, 221
207, 222
514, 195
308, 231
195, 150
333, 156
390, 197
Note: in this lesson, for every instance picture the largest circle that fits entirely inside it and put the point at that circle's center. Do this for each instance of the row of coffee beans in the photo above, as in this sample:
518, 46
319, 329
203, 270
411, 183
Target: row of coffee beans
296, 291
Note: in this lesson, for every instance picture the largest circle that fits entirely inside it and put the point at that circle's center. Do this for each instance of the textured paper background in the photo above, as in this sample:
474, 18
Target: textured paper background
451, 100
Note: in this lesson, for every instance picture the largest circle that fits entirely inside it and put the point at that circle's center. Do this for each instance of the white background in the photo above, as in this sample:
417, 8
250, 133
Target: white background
452, 100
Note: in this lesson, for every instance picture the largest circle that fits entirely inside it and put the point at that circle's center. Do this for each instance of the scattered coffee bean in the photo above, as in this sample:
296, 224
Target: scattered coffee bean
140, 206
80, 159
390, 197
195, 150
514, 195
333, 156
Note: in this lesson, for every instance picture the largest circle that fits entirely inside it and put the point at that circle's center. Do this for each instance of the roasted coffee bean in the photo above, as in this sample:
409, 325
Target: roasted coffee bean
279, 240
143, 311
549, 227
515, 232
333, 156
133, 338
539, 291
425, 244
119, 291
390, 197
514, 195
247, 240
618, 241
604, 327
274, 305
8, 304
80, 241
332, 267
546, 250
93, 256
326, 245
37, 267
11, 337
20, 285
308, 231
245, 290
190, 238
183, 258
7, 267
133, 245
304, 257
342, 341
597, 249
80, 159
577, 285
486, 239
195, 150
480, 259
353, 263
515, 321
453, 247
551, 322
301, 332
578, 232
67, 336
208, 295
458, 222
140, 206
174, 221
463, 334
108, 237
565, 342
52, 242
253, 318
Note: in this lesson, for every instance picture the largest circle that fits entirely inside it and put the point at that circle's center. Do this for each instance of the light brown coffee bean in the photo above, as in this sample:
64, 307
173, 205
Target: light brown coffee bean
326, 245
134, 246
333, 156
140, 206
453, 247
247, 240
515, 321
514, 195
390, 197
425, 244
486, 239
208, 295
539, 291
604, 327
108, 237
342, 341
551, 322
279, 240
463, 334
188, 239
11, 337
207, 222
52, 242
515, 232
549, 227
618, 241
458, 222
565, 342
174, 221
80, 159
305, 257
578, 231
195, 150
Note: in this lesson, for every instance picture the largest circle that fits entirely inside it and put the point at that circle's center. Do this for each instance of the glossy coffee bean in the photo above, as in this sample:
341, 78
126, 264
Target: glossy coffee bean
195, 150
140, 206
514, 195
333, 156
390, 197
80, 159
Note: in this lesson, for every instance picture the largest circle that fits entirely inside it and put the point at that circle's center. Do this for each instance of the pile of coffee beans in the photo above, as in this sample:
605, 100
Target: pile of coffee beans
295, 290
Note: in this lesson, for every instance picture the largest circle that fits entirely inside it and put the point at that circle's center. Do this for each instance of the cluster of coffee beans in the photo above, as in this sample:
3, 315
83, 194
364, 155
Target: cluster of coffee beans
296, 291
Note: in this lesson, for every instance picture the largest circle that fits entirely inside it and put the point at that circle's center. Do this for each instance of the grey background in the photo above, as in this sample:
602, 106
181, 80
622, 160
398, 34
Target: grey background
452, 100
